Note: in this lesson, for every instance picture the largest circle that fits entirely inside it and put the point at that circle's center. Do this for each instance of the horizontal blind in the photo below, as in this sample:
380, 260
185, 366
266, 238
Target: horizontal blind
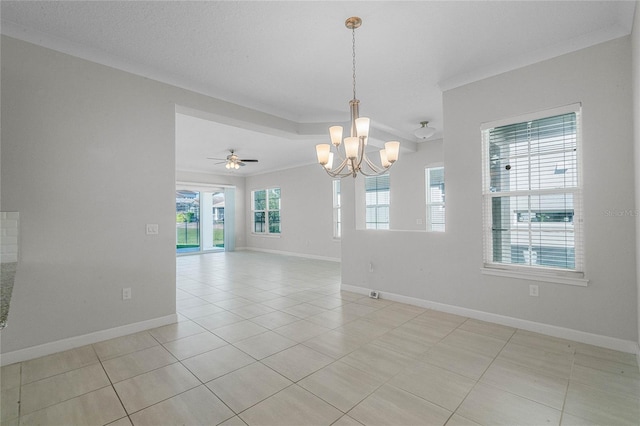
337, 219
435, 199
377, 200
376, 183
532, 194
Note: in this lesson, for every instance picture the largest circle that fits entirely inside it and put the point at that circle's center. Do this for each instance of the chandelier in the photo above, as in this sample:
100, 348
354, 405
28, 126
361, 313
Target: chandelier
353, 158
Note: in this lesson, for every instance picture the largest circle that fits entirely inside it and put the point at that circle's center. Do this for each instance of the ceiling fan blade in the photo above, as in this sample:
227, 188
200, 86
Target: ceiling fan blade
233, 158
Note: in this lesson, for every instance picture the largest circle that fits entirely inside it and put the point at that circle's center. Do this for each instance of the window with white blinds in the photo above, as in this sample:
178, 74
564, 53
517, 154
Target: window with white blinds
337, 215
377, 199
532, 193
435, 198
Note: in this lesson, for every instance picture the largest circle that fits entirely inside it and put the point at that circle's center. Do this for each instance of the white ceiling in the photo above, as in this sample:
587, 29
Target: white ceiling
293, 59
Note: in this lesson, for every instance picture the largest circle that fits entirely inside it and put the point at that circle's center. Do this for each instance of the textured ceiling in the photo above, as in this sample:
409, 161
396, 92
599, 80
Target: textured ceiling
293, 59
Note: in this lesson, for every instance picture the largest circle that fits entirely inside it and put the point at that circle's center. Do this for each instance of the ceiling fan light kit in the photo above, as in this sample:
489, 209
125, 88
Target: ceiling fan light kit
353, 158
232, 165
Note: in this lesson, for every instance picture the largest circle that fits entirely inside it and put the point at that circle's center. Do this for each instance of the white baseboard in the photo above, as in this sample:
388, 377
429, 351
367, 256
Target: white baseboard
86, 339
550, 330
288, 253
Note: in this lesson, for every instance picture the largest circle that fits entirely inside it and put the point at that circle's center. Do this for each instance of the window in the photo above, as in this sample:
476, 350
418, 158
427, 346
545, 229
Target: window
532, 193
337, 220
377, 202
435, 198
266, 211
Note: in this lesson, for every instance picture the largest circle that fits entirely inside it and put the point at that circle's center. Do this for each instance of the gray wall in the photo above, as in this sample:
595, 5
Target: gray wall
408, 204
635, 72
445, 268
88, 158
306, 213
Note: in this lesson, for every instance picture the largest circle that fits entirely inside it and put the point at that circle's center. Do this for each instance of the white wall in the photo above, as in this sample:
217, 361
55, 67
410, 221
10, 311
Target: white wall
408, 204
9, 237
445, 268
635, 72
306, 212
88, 158
224, 180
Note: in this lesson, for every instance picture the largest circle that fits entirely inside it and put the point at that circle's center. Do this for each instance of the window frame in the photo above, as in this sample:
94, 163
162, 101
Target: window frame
266, 212
559, 275
429, 202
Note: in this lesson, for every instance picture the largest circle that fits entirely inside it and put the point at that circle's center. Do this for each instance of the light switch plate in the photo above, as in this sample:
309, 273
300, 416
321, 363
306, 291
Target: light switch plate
152, 229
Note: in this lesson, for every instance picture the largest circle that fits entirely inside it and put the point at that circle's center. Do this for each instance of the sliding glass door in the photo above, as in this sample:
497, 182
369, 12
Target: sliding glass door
200, 221
218, 219
187, 221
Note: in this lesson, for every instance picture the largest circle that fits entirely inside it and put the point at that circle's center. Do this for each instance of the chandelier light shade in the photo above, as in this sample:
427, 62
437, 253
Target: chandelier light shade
424, 132
350, 151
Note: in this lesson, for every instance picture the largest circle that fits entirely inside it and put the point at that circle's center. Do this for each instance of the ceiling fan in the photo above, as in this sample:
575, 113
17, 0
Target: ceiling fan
233, 161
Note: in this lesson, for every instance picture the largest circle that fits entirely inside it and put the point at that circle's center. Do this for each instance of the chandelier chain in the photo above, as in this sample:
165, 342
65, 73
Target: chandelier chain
353, 44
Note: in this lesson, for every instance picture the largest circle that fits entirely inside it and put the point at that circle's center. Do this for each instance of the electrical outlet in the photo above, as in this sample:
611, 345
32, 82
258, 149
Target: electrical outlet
152, 229
374, 294
533, 290
126, 293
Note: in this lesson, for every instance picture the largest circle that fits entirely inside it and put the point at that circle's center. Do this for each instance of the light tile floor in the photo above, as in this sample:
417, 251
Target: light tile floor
271, 340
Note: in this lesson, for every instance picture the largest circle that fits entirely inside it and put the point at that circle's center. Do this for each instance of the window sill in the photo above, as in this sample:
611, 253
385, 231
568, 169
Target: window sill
257, 234
578, 278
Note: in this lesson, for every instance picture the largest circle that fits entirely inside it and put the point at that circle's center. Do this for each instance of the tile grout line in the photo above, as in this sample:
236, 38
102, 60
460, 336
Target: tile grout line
566, 392
336, 360
149, 371
383, 382
477, 381
55, 375
113, 387
20, 394
289, 285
